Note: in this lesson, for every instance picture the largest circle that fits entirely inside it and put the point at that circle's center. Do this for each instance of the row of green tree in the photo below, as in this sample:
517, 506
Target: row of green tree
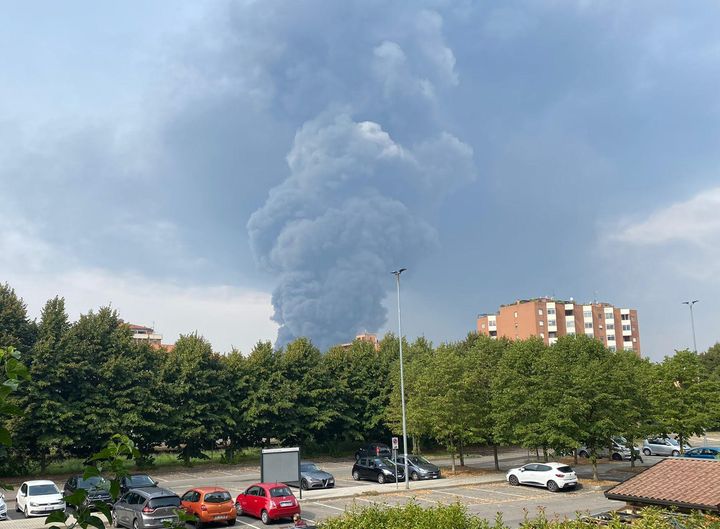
89, 380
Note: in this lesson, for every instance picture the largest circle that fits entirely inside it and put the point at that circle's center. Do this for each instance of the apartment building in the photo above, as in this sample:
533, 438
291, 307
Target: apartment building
549, 318
141, 333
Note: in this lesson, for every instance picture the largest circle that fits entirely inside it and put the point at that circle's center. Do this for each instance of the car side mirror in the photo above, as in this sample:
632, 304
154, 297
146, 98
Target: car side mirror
522, 470
156, 483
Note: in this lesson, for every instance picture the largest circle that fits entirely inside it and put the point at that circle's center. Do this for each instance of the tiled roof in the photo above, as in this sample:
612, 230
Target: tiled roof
683, 482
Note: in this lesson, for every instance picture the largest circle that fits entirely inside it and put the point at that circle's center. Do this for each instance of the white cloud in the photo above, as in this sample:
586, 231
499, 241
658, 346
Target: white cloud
226, 315
695, 221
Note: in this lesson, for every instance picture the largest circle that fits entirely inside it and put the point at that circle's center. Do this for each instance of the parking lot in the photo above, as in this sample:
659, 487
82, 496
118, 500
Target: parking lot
485, 499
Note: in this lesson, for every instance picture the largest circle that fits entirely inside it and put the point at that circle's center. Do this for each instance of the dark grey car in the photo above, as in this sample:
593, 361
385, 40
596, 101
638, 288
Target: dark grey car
311, 477
419, 467
146, 508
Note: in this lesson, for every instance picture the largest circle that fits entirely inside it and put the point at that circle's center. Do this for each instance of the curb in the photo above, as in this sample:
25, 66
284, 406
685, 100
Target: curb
446, 483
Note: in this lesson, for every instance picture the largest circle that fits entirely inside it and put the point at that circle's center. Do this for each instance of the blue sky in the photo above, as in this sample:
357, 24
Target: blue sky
204, 166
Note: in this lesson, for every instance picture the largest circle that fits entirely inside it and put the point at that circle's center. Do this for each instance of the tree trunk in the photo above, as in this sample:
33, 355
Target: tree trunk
462, 454
575, 456
593, 460
537, 454
495, 455
453, 460
545, 454
681, 440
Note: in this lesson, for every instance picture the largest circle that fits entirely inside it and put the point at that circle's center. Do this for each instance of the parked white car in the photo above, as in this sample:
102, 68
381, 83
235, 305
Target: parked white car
553, 476
3, 507
39, 498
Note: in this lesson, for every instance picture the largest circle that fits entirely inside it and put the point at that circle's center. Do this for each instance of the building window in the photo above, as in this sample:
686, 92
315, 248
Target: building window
571, 333
570, 323
540, 312
482, 326
542, 323
611, 337
627, 339
634, 340
611, 326
587, 314
516, 314
551, 312
626, 327
625, 317
609, 316
552, 334
612, 348
542, 335
552, 322
588, 325
589, 335
568, 312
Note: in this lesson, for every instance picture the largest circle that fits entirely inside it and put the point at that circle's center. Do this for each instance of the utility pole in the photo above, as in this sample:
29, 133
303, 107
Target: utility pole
397, 273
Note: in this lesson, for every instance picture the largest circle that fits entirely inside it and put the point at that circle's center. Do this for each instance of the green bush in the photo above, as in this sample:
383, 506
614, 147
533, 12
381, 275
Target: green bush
455, 516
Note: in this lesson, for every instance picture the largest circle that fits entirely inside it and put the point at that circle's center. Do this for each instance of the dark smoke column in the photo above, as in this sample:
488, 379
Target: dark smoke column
347, 212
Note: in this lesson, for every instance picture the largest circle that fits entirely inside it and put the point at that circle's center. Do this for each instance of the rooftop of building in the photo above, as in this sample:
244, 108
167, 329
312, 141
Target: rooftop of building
684, 483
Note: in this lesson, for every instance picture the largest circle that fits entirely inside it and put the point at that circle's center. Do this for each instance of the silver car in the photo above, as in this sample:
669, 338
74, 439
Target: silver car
662, 446
311, 477
146, 508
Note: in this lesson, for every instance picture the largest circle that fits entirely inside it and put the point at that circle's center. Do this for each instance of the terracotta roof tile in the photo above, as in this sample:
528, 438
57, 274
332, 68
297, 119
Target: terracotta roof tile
684, 482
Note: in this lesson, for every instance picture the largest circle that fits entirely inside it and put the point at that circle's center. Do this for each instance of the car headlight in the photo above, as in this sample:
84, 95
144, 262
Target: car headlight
386, 472
33, 504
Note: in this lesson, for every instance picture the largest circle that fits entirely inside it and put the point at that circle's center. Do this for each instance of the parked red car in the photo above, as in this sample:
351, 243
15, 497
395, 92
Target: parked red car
209, 504
267, 501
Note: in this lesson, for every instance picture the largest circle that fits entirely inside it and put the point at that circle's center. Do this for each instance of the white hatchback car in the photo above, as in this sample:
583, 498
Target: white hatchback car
38, 498
553, 476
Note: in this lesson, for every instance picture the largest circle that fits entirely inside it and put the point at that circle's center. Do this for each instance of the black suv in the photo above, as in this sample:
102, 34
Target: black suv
97, 488
136, 481
373, 450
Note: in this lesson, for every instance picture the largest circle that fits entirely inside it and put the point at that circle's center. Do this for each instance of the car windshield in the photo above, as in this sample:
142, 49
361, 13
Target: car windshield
43, 490
164, 501
94, 482
309, 467
278, 492
620, 440
419, 460
383, 462
217, 497
565, 469
140, 481
673, 441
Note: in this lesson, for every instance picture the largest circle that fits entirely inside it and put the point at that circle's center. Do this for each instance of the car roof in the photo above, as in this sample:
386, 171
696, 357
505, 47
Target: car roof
268, 484
209, 489
39, 482
153, 492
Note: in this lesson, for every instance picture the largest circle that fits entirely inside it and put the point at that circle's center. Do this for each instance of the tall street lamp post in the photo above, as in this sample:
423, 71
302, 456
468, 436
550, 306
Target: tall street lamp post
692, 320
397, 273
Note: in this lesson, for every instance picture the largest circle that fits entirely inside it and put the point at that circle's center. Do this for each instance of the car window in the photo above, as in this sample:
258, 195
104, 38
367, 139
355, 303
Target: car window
217, 497
164, 501
309, 467
419, 460
565, 469
93, 482
363, 462
133, 499
543, 468
278, 492
43, 490
252, 491
187, 496
24, 488
261, 492
139, 481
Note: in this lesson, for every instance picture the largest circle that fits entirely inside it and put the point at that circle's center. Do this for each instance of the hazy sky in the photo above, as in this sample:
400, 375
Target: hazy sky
203, 166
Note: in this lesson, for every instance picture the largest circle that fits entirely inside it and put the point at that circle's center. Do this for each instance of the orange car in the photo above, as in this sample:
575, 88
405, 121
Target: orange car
209, 504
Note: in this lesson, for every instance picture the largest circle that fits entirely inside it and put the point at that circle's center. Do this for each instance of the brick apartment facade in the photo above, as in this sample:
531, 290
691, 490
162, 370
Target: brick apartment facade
549, 319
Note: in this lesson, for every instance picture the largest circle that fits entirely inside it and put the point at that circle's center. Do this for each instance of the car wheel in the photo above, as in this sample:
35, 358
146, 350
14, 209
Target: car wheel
231, 521
616, 457
135, 524
304, 485
356, 475
17, 507
114, 520
675, 453
381, 478
265, 517
584, 454
238, 509
414, 476
552, 486
27, 514
514, 481
647, 451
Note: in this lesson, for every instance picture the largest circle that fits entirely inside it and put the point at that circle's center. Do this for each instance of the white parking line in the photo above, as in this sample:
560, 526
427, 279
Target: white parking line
498, 492
328, 506
475, 498
248, 524
420, 498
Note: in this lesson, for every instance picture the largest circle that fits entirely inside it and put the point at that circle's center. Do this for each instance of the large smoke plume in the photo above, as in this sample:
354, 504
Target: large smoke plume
354, 204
